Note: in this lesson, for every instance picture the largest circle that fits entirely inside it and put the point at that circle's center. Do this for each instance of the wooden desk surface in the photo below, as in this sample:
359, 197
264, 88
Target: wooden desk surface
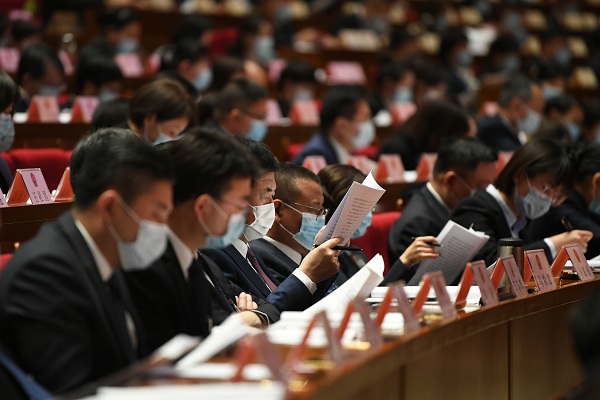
520, 349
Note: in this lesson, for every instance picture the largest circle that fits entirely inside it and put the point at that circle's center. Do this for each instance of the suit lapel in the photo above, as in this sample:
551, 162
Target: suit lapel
277, 255
247, 270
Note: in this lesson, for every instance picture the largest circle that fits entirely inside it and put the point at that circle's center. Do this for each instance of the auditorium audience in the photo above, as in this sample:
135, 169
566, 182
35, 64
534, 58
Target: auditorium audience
297, 82
9, 95
394, 84
581, 209
24, 33
537, 176
345, 126
434, 123
566, 111
255, 41
65, 311
100, 77
40, 73
520, 106
160, 111
187, 62
121, 32
591, 122
456, 59
502, 61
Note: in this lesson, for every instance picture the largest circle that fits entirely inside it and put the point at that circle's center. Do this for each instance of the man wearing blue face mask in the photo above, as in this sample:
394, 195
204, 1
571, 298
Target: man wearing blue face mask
521, 102
310, 279
241, 110
299, 215
566, 111
346, 126
188, 63
65, 312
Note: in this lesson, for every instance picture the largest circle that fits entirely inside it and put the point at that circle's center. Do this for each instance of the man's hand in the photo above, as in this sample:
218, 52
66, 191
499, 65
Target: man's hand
322, 261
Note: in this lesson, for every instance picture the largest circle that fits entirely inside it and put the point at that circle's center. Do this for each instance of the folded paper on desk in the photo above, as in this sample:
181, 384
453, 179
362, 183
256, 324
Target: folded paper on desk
357, 287
459, 246
221, 391
226, 334
356, 204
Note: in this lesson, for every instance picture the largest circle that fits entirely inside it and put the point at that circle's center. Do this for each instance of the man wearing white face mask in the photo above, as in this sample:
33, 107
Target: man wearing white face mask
345, 127
65, 310
244, 267
241, 110
521, 103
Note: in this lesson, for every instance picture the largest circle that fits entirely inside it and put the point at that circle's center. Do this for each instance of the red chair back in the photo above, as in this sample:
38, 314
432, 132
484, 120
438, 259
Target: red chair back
376, 240
52, 162
4, 258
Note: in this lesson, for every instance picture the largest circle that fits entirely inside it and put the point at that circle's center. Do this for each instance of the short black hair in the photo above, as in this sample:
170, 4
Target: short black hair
34, 60
186, 49
297, 71
339, 101
110, 114
393, 70
21, 30
562, 104
261, 153
97, 69
239, 93
586, 161
591, 113
519, 86
117, 18
9, 92
286, 178
165, 98
191, 26
115, 158
503, 44
205, 161
462, 155
450, 38
538, 156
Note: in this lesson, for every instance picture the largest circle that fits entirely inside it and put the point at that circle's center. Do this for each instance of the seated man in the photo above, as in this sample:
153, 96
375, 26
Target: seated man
461, 167
307, 284
345, 127
65, 312
299, 194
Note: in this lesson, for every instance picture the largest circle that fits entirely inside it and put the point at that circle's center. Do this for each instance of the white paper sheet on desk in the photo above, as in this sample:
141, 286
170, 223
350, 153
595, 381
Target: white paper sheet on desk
357, 287
459, 246
594, 263
229, 332
411, 292
221, 391
225, 371
354, 207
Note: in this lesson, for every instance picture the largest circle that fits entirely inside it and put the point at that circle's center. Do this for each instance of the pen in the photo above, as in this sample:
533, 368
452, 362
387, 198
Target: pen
434, 244
346, 248
235, 307
566, 224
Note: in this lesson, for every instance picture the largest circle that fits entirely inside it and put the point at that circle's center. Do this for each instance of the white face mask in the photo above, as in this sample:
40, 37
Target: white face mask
366, 134
264, 217
149, 245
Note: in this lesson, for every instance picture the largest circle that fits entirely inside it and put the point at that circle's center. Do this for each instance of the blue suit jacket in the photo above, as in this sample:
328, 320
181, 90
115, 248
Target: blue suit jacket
318, 145
290, 295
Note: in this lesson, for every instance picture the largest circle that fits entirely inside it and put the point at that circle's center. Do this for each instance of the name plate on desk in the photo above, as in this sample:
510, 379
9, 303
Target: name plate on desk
83, 109
580, 264
130, 65
305, 112
540, 270
390, 169
64, 191
396, 291
314, 163
43, 109
482, 277
509, 265
425, 166
29, 184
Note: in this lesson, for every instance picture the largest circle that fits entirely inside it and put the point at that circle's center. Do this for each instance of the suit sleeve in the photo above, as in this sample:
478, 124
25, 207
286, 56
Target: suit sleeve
397, 272
291, 295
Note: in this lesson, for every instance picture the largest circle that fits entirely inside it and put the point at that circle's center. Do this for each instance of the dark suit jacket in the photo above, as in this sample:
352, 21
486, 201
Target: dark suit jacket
494, 132
56, 316
484, 213
167, 304
290, 295
423, 216
576, 211
281, 266
318, 145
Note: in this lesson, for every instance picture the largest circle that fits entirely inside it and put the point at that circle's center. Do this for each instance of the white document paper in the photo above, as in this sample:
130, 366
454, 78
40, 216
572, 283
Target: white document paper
354, 207
357, 287
459, 246
176, 347
229, 332
226, 371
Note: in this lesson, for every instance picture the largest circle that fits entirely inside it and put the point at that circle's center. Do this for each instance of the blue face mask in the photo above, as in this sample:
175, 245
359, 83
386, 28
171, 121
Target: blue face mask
464, 59
127, 45
264, 49
364, 224
258, 130
107, 95
235, 226
311, 224
403, 95
203, 79
550, 92
531, 123
595, 206
574, 130
563, 57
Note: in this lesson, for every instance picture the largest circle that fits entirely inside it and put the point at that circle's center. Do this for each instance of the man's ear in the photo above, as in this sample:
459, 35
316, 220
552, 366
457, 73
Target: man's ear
278, 204
448, 177
201, 204
107, 202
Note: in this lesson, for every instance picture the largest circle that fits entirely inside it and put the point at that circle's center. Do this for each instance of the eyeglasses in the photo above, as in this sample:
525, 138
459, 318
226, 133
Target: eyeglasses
318, 212
241, 208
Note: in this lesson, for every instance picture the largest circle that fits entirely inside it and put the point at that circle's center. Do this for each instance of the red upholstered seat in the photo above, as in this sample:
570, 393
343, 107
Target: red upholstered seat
51, 161
369, 151
292, 149
4, 258
376, 240
222, 41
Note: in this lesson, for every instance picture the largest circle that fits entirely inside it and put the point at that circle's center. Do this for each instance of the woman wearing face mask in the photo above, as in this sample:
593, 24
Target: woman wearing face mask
187, 62
255, 41
9, 94
537, 176
582, 208
160, 111
336, 180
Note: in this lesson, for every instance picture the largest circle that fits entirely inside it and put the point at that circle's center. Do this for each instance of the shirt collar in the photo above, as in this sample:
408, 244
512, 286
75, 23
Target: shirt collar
342, 154
511, 219
184, 255
241, 247
102, 263
285, 249
437, 196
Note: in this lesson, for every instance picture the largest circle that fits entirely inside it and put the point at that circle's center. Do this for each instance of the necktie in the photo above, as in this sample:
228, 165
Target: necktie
252, 258
31, 388
199, 285
119, 312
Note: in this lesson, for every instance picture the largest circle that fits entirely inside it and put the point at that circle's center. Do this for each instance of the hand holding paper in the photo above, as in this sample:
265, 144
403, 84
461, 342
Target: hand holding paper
420, 250
322, 262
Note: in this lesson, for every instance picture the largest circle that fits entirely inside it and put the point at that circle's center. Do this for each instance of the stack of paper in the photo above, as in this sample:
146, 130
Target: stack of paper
221, 391
459, 246
356, 204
